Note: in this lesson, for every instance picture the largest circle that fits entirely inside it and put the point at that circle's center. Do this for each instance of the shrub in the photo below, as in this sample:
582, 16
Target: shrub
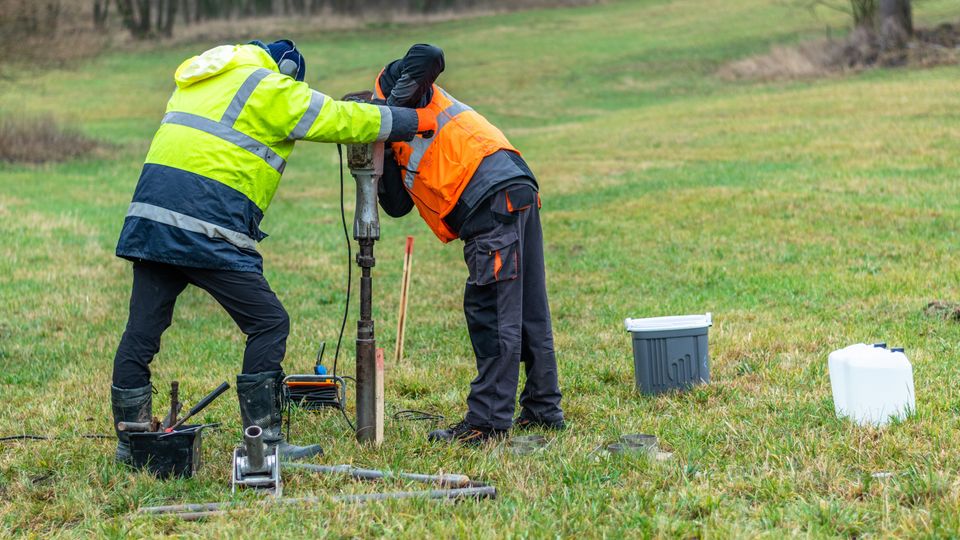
39, 139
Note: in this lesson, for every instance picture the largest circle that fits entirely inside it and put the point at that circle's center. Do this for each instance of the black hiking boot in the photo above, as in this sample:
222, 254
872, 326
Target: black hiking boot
129, 405
260, 404
524, 422
464, 433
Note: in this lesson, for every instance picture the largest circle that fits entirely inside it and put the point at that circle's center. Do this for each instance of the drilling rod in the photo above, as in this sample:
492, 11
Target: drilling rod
366, 166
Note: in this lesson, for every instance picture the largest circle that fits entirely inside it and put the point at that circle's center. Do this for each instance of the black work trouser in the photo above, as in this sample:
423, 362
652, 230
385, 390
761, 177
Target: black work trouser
246, 296
505, 303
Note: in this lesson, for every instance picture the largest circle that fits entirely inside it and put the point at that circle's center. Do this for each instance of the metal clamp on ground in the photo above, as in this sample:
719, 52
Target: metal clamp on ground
253, 467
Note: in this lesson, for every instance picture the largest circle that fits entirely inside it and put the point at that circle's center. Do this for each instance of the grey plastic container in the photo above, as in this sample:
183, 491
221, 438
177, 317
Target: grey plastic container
671, 359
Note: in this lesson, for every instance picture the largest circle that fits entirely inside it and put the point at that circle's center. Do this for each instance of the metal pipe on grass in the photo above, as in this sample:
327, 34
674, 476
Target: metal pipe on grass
192, 512
446, 480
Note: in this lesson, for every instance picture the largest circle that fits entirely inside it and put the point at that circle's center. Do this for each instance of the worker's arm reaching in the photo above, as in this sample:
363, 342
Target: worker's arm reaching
408, 82
295, 112
410, 79
393, 197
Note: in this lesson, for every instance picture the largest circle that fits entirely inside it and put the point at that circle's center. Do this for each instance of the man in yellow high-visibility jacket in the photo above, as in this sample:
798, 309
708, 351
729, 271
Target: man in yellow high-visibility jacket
211, 172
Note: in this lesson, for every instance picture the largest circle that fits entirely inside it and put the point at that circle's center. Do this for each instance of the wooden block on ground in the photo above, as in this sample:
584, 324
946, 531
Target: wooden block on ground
378, 397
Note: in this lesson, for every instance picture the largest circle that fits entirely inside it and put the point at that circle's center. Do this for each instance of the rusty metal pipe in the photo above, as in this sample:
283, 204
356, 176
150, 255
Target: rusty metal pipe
171, 418
134, 426
366, 349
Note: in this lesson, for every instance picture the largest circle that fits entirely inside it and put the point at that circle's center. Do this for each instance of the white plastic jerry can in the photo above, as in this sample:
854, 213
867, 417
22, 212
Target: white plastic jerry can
871, 384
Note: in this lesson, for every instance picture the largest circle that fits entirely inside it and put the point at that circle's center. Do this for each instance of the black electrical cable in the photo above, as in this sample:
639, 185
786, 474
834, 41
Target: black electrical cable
346, 237
413, 414
345, 417
315, 399
346, 307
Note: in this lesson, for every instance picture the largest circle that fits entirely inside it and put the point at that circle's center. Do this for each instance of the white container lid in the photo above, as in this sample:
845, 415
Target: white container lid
659, 324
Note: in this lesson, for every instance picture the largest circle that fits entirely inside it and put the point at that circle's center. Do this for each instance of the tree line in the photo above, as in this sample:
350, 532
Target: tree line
145, 19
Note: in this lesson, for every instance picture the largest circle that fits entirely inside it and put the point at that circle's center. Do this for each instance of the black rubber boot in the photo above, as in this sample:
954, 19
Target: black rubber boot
260, 404
527, 421
129, 405
464, 433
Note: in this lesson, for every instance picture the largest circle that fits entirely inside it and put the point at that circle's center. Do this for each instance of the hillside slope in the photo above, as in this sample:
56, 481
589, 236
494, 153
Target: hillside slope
805, 216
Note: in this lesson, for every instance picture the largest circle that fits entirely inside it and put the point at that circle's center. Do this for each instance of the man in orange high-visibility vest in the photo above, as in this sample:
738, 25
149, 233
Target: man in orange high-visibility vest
469, 182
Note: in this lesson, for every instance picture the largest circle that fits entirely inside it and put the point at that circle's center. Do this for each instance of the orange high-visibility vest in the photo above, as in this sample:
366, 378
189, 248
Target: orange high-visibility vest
437, 170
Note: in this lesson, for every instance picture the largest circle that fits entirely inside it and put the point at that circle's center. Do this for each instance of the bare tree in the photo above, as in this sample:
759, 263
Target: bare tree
101, 10
166, 14
864, 13
146, 18
895, 23
53, 16
875, 16
127, 12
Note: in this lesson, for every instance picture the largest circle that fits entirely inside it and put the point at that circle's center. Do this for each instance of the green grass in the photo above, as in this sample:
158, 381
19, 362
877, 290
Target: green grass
805, 216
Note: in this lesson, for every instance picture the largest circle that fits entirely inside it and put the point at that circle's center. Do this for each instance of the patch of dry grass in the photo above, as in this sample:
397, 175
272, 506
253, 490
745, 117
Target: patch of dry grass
40, 139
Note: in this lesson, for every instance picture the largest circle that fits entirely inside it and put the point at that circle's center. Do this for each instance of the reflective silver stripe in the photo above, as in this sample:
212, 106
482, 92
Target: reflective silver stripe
190, 223
309, 117
386, 123
421, 145
228, 134
243, 94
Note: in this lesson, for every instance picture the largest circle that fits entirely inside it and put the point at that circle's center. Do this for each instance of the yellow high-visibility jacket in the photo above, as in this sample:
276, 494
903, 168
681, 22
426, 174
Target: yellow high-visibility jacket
216, 161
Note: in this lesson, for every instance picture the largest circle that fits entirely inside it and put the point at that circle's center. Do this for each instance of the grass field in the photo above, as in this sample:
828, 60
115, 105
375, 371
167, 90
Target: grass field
806, 216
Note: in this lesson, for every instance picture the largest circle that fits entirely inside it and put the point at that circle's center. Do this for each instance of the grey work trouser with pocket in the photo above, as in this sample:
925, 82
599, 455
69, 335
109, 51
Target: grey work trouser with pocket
507, 312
